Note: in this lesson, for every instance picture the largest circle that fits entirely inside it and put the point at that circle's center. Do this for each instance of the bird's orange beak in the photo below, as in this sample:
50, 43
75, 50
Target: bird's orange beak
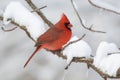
70, 25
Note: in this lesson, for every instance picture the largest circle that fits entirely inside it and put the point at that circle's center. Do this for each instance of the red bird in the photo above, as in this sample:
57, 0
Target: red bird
55, 37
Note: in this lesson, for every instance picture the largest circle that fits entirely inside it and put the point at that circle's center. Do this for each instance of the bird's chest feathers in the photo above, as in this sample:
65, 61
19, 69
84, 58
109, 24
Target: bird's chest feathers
66, 35
63, 38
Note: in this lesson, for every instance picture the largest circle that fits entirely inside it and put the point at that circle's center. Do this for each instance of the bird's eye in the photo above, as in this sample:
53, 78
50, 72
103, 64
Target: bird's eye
66, 24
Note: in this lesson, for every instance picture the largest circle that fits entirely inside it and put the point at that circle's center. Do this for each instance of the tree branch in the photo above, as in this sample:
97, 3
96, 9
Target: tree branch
49, 23
21, 27
80, 19
39, 8
109, 10
8, 30
1, 18
73, 42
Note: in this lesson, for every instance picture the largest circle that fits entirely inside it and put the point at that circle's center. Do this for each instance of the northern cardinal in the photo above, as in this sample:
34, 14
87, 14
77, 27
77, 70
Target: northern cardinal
55, 37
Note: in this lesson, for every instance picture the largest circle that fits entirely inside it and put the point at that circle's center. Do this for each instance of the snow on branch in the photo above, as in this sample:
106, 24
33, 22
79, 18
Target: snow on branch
81, 21
49, 23
104, 6
107, 63
76, 48
17, 12
21, 27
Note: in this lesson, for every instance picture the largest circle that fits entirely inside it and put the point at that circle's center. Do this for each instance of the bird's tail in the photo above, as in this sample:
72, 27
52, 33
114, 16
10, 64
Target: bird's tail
37, 49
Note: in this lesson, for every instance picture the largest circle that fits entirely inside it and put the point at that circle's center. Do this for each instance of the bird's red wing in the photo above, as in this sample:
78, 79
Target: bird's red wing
51, 35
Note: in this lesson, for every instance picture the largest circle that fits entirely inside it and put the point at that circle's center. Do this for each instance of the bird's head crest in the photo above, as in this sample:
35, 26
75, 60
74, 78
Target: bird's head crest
64, 18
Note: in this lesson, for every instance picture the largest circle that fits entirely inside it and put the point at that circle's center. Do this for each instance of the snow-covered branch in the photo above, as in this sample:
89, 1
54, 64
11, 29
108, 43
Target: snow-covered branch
104, 6
48, 22
16, 24
108, 64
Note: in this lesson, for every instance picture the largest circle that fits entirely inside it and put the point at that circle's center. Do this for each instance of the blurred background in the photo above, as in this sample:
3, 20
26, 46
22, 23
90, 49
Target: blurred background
16, 47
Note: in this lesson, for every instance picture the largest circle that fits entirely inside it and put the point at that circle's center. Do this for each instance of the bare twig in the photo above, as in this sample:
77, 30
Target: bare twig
118, 72
1, 18
80, 19
8, 30
114, 53
109, 10
39, 8
28, 34
49, 23
72, 61
21, 27
68, 65
24, 29
73, 42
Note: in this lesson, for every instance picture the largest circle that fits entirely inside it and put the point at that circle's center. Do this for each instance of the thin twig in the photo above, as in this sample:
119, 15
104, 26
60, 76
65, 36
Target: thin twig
80, 19
1, 18
8, 30
67, 66
118, 72
39, 8
28, 34
73, 41
113, 53
21, 27
24, 29
109, 10
49, 23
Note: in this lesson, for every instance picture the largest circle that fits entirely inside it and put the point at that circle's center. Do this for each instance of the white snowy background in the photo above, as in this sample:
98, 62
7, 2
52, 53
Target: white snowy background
16, 47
